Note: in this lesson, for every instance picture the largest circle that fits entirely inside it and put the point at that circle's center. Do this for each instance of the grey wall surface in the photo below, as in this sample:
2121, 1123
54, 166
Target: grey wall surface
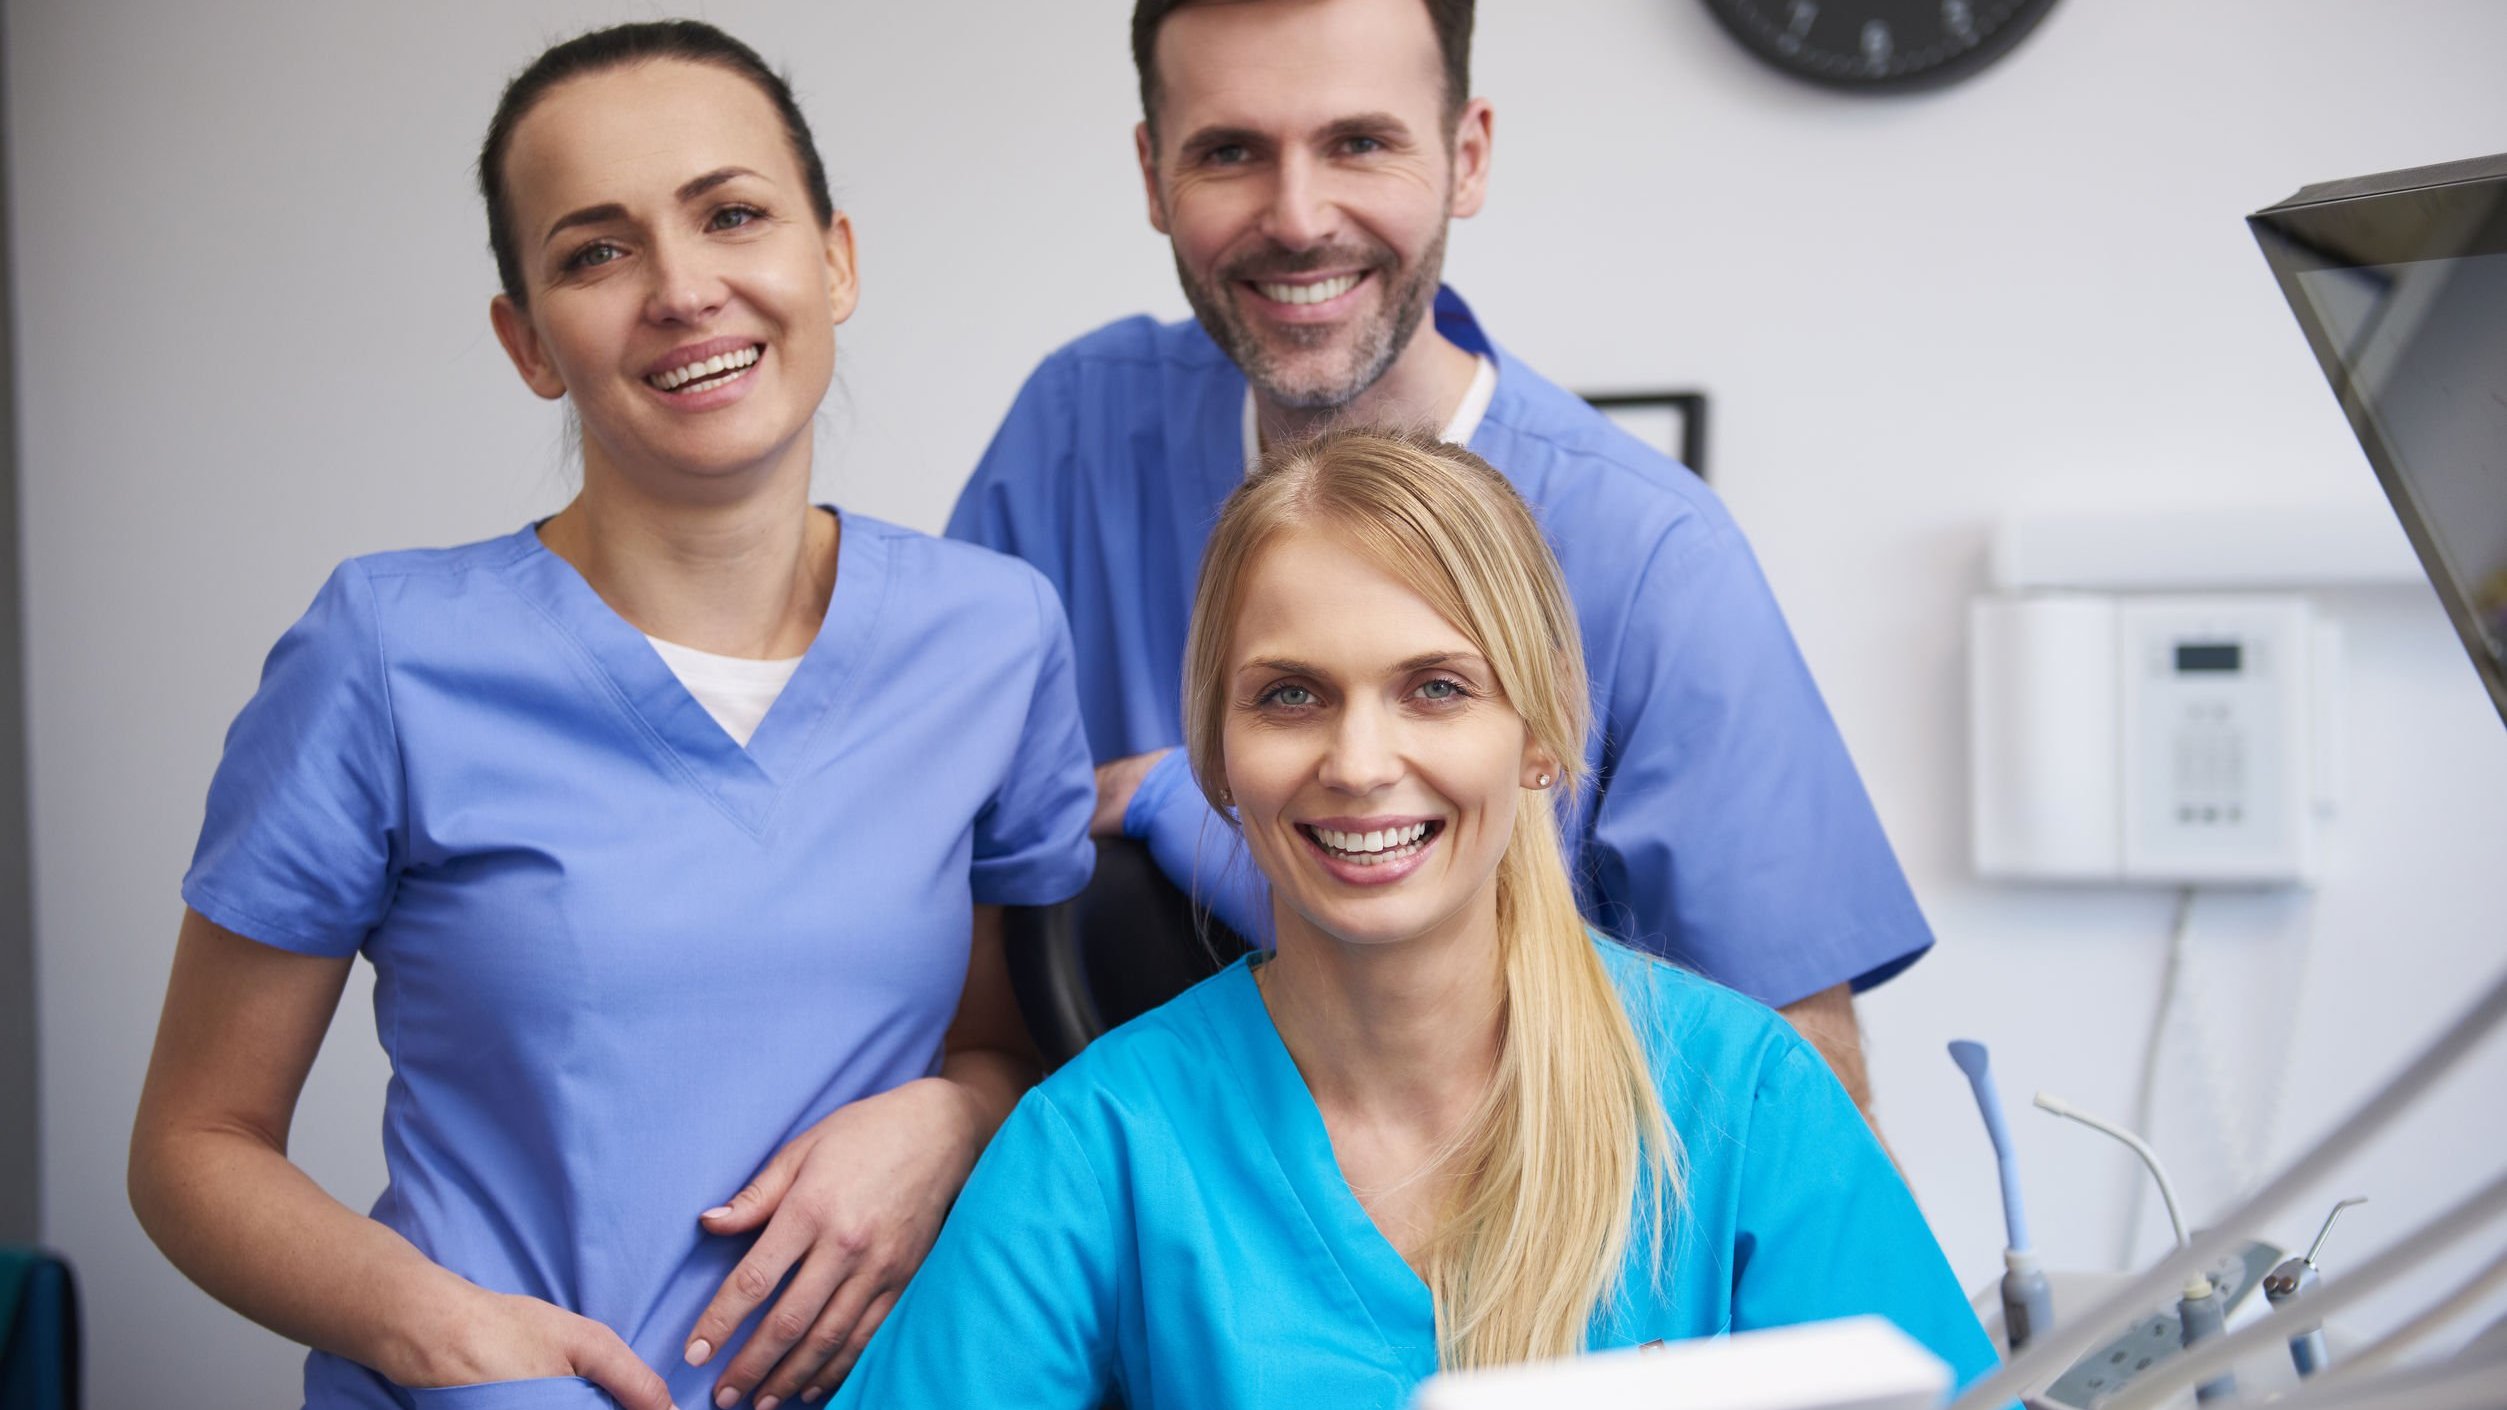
253, 340
19, 1158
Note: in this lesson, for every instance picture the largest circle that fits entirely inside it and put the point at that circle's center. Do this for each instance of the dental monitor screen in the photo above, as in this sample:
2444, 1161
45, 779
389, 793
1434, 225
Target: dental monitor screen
2400, 283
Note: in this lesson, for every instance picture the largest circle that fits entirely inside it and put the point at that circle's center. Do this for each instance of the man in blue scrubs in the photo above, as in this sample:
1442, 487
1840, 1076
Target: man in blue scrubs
1304, 158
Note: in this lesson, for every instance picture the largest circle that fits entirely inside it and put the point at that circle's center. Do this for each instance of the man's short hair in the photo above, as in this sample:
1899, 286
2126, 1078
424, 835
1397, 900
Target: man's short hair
1450, 18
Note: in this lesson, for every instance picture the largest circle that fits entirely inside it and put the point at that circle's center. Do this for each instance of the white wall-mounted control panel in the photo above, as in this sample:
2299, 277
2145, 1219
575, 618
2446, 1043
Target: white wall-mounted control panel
2215, 722
2146, 739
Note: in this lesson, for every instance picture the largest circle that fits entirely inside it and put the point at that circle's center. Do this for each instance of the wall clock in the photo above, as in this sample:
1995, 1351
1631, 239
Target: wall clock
1874, 46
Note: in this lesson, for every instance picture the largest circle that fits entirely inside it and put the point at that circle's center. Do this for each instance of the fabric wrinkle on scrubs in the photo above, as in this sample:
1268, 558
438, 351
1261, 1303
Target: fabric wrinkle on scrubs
1164, 1217
1727, 828
619, 959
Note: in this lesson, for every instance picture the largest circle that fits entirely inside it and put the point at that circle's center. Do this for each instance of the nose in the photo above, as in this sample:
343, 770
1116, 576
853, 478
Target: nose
1364, 753
1300, 214
685, 287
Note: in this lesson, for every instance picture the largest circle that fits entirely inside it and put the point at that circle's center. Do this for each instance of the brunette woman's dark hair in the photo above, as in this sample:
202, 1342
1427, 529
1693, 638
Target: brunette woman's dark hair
688, 41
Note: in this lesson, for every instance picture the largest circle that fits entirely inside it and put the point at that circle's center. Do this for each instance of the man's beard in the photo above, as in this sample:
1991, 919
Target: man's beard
1373, 345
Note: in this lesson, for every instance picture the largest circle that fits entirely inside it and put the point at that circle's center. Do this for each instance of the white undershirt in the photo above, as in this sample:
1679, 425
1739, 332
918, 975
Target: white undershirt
1459, 429
735, 690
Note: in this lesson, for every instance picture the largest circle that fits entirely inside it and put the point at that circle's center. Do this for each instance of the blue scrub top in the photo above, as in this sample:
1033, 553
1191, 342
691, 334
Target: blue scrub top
620, 960
1164, 1216
1727, 828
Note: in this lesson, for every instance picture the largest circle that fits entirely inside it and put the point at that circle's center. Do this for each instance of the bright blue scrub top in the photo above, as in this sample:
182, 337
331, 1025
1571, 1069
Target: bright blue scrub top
1726, 828
620, 960
1164, 1216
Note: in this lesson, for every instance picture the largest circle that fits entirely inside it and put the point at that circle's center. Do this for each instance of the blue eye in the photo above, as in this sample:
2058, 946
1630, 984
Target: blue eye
1294, 697
1442, 690
733, 217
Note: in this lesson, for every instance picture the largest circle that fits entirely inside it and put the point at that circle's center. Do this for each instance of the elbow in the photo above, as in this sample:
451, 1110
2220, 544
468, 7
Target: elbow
169, 1161
143, 1178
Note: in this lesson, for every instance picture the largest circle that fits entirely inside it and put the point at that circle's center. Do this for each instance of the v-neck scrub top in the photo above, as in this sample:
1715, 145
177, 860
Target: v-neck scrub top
619, 959
1165, 1216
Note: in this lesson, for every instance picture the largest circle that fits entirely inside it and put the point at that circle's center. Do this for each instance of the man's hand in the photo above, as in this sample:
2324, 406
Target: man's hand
1116, 783
1827, 1019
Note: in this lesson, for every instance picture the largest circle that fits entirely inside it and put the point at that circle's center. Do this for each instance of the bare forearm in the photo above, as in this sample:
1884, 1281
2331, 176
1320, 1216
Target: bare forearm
255, 1232
992, 1082
1827, 1019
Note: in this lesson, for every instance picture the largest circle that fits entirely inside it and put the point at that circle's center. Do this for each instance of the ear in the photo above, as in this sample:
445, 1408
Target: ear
522, 343
844, 280
1147, 151
1540, 771
1475, 138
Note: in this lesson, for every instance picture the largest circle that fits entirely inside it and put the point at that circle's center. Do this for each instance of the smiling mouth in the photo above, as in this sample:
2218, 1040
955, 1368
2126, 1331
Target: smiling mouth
1321, 291
1369, 849
706, 375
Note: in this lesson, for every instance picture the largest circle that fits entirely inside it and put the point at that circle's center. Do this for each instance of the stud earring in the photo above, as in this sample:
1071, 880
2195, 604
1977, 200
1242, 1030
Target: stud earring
1545, 780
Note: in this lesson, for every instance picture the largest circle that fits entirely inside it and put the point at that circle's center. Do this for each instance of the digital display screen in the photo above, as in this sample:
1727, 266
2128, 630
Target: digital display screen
2209, 656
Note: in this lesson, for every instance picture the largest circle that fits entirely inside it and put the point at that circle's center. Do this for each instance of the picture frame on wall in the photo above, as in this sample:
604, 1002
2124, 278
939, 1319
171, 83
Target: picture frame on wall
1673, 421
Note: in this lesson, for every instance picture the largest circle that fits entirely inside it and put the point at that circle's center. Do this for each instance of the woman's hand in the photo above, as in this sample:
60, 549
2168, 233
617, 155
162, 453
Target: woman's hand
503, 1337
855, 1202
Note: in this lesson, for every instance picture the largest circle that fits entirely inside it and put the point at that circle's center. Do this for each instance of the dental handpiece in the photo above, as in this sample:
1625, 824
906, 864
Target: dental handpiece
2027, 1303
2201, 1311
2292, 1280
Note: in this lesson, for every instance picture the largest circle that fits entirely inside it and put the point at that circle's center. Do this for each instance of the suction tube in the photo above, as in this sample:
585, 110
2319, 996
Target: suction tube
2027, 1303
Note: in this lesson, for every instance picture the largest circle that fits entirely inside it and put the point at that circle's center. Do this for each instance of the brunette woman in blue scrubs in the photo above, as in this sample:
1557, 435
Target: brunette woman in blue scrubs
675, 827
1443, 1125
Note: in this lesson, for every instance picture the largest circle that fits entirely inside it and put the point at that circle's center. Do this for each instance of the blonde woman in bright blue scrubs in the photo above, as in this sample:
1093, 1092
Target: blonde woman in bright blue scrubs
675, 828
1443, 1125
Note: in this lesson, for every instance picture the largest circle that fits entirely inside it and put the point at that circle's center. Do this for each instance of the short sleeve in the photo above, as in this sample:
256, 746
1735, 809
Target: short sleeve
1016, 1304
1202, 853
1031, 839
304, 835
1826, 1228
1733, 833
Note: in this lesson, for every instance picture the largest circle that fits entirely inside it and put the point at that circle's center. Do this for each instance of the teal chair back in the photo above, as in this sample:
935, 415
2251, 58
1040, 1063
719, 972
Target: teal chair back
39, 1351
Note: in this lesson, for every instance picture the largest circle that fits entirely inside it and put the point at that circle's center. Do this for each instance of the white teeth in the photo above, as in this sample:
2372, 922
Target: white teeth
678, 377
1329, 289
1359, 844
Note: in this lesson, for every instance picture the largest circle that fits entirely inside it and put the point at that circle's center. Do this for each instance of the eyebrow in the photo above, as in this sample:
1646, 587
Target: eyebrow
1203, 139
1368, 125
610, 210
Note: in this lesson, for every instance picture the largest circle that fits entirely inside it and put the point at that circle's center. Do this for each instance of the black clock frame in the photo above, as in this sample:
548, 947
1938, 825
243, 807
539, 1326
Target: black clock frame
1763, 26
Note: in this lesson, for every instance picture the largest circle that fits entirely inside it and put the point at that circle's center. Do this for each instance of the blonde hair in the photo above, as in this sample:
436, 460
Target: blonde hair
1572, 1131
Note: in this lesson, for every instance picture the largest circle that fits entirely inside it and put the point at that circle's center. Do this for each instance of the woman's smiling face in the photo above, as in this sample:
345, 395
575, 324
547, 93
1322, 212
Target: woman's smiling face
1372, 758
681, 290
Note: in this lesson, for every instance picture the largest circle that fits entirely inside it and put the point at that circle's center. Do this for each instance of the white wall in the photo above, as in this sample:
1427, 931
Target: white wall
251, 290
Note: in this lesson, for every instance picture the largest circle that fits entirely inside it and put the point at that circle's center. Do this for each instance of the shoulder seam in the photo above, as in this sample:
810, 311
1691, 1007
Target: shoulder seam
383, 686
1068, 1134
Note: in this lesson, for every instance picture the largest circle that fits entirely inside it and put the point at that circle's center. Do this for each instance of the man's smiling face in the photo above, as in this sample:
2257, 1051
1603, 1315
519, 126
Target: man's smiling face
1304, 168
